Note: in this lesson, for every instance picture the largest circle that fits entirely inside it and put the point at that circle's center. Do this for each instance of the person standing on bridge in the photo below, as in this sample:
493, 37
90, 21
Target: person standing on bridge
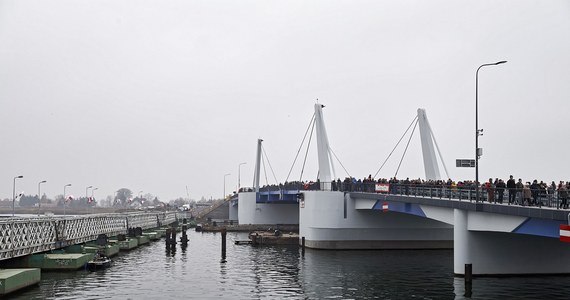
526, 194
511, 186
490, 190
563, 195
535, 190
500, 190
520, 187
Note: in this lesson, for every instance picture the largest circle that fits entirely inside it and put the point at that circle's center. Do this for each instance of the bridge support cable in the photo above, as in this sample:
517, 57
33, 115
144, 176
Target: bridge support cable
307, 152
438, 151
339, 163
412, 123
311, 125
330, 154
406, 149
269, 163
264, 169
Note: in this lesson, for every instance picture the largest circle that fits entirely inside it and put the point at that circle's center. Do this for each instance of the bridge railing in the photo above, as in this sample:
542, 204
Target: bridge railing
24, 236
524, 196
20, 237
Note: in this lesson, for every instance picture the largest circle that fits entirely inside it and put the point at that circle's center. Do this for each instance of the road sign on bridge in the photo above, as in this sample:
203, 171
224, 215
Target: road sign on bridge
465, 163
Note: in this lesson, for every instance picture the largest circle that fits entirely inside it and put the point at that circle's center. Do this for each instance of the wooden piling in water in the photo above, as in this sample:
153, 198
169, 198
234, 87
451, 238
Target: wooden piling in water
224, 233
184, 238
168, 237
468, 273
173, 238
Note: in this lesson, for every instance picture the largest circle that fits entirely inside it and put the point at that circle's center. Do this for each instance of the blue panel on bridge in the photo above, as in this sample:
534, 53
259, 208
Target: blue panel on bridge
540, 227
283, 196
407, 208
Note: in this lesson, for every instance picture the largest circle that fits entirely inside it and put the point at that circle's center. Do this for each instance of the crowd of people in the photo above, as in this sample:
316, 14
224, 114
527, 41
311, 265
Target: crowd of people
496, 190
493, 191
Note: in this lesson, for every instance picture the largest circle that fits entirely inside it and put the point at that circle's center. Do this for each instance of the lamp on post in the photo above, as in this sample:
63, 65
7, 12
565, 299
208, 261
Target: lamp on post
87, 193
64, 199
239, 166
40, 197
478, 132
225, 185
14, 194
92, 199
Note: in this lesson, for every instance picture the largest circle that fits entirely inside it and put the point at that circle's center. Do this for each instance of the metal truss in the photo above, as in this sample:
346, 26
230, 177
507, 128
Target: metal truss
24, 236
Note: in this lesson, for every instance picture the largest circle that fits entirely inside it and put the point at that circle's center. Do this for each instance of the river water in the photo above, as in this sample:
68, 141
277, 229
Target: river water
277, 272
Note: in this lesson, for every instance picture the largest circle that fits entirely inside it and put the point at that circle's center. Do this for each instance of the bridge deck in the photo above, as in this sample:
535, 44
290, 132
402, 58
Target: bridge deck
544, 212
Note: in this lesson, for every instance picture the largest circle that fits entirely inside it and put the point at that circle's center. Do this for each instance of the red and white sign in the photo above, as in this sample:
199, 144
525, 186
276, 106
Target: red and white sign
385, 206
565, 233
382, 188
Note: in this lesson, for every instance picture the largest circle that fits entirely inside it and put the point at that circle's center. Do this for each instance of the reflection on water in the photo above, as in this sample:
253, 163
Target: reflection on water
152, 272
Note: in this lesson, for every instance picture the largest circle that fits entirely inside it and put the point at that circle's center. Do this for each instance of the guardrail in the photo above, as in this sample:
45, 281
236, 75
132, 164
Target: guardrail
522, 196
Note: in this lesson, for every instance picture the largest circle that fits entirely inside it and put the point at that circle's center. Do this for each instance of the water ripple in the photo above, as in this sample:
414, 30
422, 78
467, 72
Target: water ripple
152, 272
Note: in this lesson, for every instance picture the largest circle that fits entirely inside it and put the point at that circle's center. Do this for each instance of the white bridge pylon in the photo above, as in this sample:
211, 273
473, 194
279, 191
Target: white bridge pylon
323, 150
428, 140
326, 171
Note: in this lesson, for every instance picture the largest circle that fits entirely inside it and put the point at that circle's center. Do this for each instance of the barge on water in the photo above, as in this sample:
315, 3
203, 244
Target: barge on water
273, 238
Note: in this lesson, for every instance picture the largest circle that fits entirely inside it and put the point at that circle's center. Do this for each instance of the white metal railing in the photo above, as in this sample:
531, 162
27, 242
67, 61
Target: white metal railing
24, 236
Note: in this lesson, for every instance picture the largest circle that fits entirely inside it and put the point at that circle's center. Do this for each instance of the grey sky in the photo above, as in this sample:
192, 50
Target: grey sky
157, 95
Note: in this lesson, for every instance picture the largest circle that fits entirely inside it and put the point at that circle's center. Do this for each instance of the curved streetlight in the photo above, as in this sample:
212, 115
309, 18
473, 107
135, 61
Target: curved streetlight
92, 191
40, 197
478, 132
14, 194
93, 199
225, 175
239, 166
87, 193
65, 200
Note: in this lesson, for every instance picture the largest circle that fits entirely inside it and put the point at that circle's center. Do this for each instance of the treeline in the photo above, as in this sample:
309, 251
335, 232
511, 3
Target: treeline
30, 201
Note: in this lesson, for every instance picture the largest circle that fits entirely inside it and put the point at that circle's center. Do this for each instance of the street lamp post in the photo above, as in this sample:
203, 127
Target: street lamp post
87, 193
478, 132
40, 197
65, 200
14, 195
239, 166
93, 199
225, 185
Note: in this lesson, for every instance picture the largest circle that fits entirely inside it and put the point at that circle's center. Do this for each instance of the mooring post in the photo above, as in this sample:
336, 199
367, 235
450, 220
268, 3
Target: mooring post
167, 238
173, 238
223, 245
468, 273
184, 238
303, 246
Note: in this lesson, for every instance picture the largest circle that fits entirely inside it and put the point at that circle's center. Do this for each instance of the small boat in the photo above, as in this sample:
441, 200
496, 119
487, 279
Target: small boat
99, 262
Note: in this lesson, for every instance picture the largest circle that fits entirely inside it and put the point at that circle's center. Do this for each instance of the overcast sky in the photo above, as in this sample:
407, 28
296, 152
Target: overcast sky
155, 96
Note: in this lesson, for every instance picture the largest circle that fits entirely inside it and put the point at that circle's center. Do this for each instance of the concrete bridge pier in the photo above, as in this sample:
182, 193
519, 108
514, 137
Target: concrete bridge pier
461, 240
505, 253
333, 220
